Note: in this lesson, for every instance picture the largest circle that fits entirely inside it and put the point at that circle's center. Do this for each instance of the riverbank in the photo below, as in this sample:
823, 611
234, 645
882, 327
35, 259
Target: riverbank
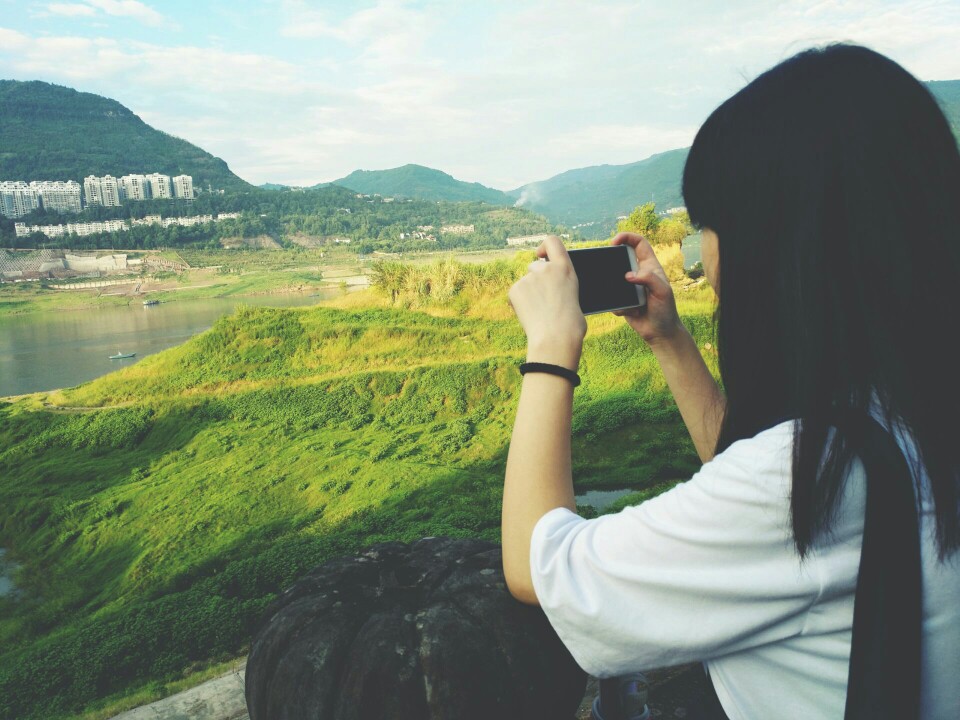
212, 274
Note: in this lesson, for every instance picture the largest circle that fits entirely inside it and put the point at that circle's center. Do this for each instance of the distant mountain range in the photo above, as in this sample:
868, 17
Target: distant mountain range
417, 181
52, 132
593, 197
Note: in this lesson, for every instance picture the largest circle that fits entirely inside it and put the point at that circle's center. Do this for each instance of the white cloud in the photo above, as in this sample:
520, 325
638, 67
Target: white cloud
70, 9
129, 8
501, 93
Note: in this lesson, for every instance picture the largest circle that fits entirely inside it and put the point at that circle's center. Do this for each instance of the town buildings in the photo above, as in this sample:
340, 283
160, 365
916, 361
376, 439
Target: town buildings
527, 239
134, 187
101, 191
160, 186
57, 196
17, 199
93, 228
183, 187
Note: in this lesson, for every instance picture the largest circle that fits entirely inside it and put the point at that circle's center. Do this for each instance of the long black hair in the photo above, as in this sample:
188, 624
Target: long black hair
833, 183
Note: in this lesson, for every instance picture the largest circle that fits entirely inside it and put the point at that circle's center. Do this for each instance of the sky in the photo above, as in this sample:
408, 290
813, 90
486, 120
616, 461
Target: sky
501, 92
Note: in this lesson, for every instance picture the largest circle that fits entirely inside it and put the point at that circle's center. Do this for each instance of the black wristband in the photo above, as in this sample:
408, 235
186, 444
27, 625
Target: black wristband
550, 369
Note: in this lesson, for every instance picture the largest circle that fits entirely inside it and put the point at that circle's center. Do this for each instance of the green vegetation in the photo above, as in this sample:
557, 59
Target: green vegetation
416, 181
292, 218
156, 511
52, 132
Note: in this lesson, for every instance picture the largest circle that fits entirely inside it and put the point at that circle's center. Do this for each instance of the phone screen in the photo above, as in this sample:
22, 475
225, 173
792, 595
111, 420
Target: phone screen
600, 274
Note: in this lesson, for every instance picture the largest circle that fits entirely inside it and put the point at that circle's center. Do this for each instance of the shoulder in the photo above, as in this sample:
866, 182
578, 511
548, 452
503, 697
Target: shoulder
744, 489
760, 463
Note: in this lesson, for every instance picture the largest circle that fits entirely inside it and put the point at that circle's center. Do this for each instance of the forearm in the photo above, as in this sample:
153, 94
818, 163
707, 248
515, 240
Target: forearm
538, 474
697, 394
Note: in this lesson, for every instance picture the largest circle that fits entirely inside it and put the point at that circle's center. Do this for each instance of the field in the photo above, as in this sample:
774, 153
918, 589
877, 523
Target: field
217, 273
158, 510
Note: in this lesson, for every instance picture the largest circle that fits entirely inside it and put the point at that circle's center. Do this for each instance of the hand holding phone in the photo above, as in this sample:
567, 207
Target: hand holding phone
659, 319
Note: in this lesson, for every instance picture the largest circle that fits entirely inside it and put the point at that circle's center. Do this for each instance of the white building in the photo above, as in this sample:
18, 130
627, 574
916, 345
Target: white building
527, 239
101, 190
183, 187
82, 228
135, 187
63, 197
456, 229
160, 187
17, 198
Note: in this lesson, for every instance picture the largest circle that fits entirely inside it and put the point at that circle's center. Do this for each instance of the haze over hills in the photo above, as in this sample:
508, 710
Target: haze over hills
51, 132
593, 197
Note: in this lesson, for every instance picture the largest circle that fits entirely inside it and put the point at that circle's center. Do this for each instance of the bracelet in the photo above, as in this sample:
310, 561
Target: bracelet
550, 369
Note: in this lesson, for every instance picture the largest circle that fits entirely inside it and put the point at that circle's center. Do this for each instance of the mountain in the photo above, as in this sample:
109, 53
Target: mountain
947, 93
417, 181
52, 132
595, 196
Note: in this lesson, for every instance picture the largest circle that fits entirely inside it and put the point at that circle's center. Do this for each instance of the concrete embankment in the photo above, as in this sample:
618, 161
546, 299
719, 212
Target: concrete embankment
218, 699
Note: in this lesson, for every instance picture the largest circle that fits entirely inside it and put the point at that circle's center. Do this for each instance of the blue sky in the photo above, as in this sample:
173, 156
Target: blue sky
499, 92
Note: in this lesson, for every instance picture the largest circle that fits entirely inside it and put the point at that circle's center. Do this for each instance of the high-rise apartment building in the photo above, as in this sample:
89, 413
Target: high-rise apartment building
17, 199
183, 187
160, 186
63, 197
101, 190
135, 187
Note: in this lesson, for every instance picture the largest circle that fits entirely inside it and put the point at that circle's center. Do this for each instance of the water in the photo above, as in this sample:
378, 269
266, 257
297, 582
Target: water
7, 568
602, 499
47, 350
691, 250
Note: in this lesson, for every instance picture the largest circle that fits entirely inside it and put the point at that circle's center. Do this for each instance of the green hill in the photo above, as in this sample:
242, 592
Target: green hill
593, 197
158, 510
417, 181
52, 132
947, 93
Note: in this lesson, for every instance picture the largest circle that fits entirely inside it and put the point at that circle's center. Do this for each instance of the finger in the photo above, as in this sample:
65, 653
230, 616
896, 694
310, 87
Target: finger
655, 285
627, 238
553, 250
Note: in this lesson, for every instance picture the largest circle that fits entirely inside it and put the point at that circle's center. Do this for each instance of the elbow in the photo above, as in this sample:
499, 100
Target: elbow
521, 589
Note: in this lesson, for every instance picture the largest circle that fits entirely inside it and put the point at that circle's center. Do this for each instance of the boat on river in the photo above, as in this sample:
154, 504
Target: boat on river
122, 356
150, 302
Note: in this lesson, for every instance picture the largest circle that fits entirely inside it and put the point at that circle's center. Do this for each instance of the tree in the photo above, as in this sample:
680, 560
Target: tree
642, 220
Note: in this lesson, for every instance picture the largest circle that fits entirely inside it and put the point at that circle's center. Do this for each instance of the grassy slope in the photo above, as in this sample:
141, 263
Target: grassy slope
154, 531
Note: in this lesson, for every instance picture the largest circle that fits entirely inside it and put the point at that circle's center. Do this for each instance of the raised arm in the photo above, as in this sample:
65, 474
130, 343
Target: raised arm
699, 398
538, 475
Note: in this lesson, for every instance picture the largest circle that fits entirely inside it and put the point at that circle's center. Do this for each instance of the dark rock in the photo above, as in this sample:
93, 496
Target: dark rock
425, 631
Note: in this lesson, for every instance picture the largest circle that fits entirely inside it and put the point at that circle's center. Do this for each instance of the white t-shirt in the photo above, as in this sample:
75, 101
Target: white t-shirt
708, 571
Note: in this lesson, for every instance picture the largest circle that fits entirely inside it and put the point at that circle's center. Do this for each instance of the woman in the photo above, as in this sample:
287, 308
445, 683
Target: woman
828, 193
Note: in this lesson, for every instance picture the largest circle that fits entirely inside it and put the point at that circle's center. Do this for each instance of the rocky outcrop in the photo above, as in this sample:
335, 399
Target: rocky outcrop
425, 631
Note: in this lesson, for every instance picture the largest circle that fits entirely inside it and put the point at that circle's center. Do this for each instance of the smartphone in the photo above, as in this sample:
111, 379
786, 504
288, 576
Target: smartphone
600, 272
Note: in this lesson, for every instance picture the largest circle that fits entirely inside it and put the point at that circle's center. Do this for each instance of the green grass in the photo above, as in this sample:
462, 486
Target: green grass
158, 510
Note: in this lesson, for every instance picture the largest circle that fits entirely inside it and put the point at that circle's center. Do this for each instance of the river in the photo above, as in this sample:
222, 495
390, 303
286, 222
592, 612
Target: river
47, 350
7, 568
